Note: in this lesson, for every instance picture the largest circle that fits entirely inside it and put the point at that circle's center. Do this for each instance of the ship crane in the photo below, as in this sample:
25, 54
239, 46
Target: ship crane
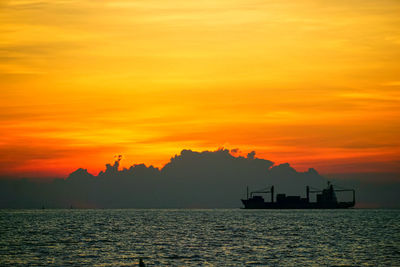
267, 190
341, 189
314, 190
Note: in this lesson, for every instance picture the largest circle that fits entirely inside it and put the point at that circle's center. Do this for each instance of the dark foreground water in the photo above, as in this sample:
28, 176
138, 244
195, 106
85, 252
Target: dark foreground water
200, 237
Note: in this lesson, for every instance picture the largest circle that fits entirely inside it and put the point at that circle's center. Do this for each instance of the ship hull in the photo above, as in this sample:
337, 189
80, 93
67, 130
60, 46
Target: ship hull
248, 204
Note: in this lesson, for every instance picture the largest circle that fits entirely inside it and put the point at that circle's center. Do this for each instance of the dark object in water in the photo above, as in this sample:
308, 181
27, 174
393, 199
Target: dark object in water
326, 199
141, 263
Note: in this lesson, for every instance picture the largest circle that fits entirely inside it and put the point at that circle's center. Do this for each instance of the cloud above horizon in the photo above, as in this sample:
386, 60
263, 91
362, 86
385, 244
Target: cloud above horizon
207, 179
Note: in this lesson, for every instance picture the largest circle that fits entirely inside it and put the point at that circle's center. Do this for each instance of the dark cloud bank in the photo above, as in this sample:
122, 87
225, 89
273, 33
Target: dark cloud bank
190, 180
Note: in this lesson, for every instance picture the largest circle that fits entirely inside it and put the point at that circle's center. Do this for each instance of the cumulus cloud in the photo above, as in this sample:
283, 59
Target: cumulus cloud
207, 179
235, 150
251, 155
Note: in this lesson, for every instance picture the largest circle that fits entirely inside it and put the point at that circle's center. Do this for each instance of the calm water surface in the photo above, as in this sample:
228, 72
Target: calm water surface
231, 237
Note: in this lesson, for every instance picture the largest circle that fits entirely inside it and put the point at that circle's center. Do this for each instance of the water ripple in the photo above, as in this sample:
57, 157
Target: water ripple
200, 237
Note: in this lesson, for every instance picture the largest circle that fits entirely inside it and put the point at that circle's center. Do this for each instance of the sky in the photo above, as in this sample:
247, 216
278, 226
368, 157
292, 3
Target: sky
313, 83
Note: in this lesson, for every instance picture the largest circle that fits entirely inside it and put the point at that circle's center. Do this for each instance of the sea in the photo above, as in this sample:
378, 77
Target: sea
203, 237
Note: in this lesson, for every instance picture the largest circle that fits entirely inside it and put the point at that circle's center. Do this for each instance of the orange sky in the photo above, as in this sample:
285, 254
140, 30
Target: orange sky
313, 83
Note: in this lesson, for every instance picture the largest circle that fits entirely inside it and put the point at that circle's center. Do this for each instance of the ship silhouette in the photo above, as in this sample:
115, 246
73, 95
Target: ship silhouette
326, 199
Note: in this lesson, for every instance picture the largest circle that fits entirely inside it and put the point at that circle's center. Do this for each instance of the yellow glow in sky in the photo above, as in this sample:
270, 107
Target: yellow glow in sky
313, 83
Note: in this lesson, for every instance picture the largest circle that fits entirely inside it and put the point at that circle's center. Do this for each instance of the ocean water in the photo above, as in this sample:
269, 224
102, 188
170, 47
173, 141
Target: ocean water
231, 237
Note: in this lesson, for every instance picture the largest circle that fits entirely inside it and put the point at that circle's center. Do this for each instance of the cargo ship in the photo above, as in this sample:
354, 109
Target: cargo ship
325, 199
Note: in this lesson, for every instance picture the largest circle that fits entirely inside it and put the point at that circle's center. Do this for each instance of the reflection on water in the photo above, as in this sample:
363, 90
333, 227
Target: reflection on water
200, 237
